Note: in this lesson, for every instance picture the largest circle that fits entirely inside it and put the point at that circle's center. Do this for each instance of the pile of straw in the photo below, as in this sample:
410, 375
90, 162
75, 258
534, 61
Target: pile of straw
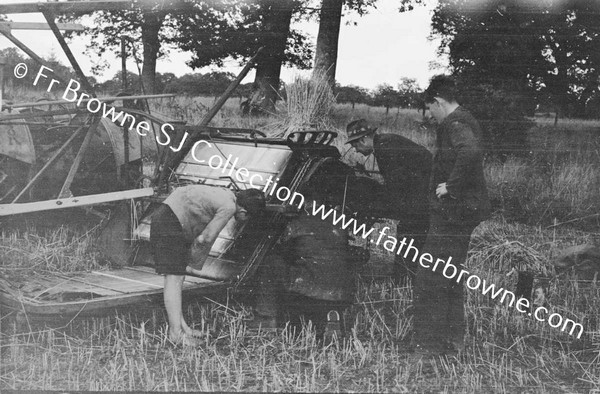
307, 106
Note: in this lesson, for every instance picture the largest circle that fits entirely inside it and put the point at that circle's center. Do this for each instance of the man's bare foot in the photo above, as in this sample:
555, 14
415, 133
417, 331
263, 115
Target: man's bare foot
184, 339
189, 331
192, 332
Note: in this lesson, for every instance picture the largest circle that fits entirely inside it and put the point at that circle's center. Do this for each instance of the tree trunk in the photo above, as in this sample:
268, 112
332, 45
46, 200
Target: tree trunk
328, 37
560, 83
150, 28
277, 18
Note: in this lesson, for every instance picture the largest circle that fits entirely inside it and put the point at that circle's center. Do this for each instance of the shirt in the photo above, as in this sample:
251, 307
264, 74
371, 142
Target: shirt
202, 208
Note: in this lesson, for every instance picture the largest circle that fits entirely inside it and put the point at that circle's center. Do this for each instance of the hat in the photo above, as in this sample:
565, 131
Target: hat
358, 129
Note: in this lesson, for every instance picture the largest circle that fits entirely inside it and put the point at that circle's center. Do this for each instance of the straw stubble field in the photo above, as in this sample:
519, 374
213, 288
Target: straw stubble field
544, 201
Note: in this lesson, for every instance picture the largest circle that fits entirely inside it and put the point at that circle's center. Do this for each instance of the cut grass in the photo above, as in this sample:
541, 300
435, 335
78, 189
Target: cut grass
29, 252
506, 351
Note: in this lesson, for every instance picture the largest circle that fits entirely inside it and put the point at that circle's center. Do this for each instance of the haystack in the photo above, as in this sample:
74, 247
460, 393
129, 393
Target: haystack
307, 106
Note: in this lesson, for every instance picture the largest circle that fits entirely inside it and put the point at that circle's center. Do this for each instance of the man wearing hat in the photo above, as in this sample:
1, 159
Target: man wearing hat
405, 167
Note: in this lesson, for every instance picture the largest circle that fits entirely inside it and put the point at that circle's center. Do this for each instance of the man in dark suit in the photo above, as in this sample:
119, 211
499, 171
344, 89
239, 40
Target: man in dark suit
405, 167
459, 202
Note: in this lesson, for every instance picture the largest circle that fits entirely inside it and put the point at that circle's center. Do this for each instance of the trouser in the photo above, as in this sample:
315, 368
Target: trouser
274, 300
170, 249
415, 227
439, 311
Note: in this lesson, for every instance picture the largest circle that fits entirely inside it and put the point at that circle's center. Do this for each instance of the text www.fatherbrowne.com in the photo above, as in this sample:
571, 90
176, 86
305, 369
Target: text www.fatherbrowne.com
448, 270
394, 245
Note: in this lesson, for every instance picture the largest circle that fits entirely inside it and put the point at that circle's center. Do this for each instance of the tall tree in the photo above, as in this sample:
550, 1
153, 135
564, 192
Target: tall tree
211, 30
255, 24
330, 19
150, 27
508, 52
276, 16
523, 46
207, 28
145, 31
492, 50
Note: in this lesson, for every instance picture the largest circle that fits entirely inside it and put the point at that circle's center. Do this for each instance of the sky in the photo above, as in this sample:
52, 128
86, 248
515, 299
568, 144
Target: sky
380, 47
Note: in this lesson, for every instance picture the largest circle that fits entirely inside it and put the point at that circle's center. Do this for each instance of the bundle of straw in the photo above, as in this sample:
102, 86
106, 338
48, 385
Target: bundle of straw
307, 106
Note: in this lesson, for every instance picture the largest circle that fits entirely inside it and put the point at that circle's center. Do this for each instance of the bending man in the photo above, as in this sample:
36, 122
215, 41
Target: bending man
183, 231
405, 167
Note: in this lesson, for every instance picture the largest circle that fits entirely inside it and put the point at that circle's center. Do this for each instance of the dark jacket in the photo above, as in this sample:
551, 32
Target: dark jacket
320, 263
458, 161
405, 167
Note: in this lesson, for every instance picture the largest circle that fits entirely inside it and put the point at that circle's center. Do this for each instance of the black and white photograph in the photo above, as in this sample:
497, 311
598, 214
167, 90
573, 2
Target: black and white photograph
300, 196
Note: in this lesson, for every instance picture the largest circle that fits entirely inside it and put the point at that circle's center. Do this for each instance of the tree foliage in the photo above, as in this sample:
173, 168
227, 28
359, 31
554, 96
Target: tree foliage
114, 85
351, 94
386, 96
409, 92
149, 34
408, 95
13, 56
192, 84
241, 34
210, 84
211, 30
508, 54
